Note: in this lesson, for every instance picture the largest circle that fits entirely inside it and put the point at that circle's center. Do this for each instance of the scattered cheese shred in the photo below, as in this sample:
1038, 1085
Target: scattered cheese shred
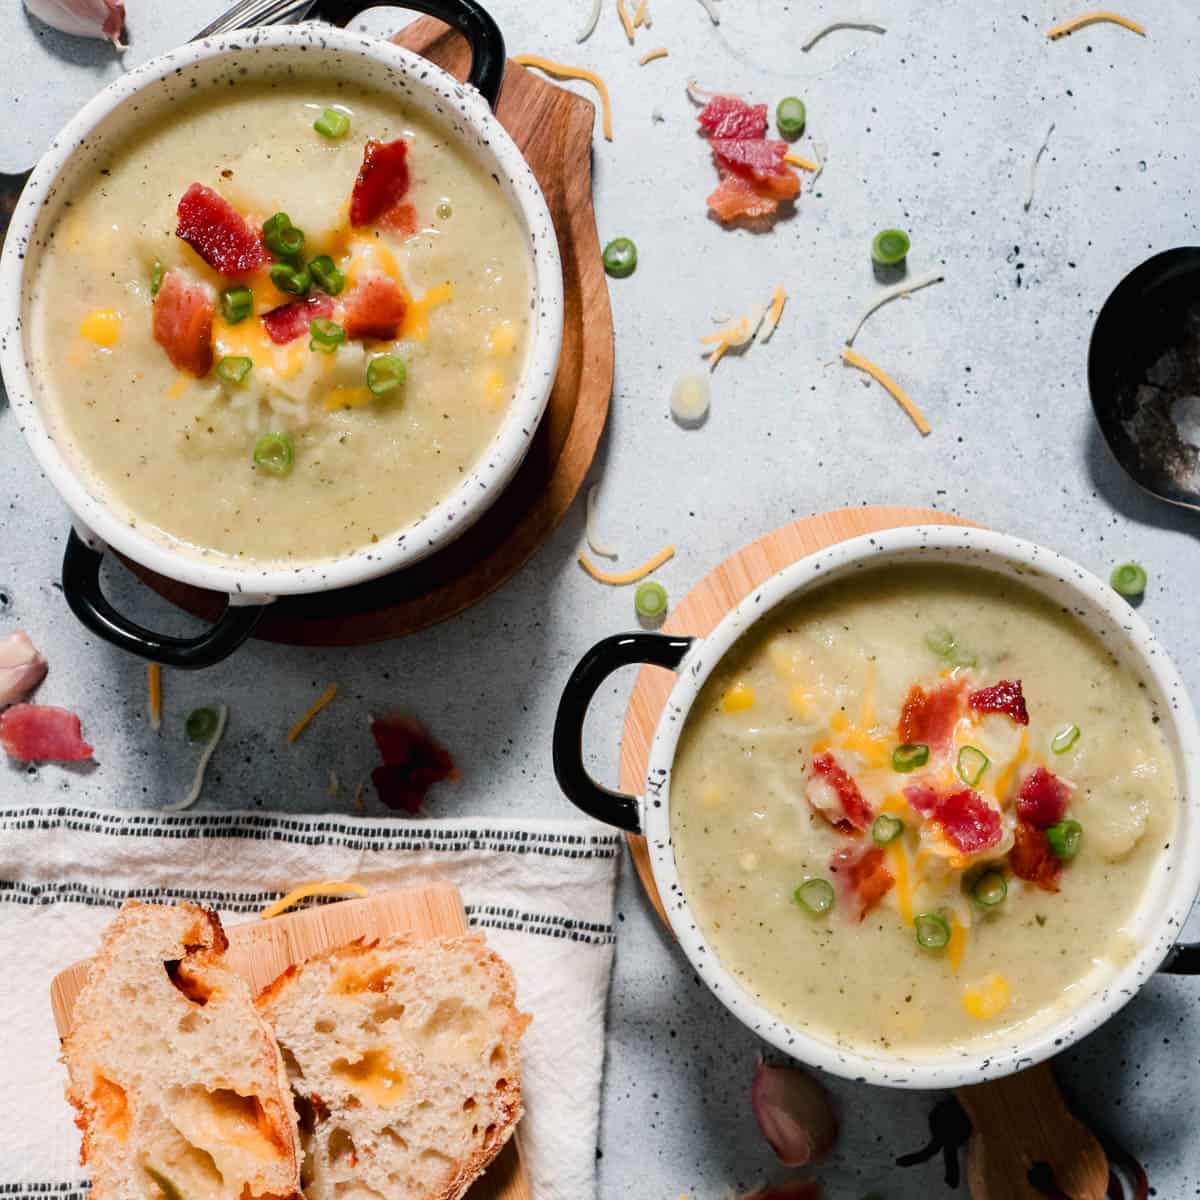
641, 15
193, 793
1094, 17
596, 545
957, 945
651, 55
1033, 166
301, 725
865, 26
651, 565
774, 311
899, 866
805, 164
710, 7
592, 21
154, 695
894, 293
732, 336
325, 887
626, 20
853, 359
562, 71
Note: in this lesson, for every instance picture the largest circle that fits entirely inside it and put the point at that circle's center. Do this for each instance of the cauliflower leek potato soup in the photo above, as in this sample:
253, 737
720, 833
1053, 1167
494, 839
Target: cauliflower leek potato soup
285, 323
916, 810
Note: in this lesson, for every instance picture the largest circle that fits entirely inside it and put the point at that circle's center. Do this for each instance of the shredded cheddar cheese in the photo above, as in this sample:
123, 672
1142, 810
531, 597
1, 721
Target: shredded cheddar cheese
1094, 17
301, 725
102, 327
805, 164
325, 887
617, 580
640, 15
348, 396
988, 1000
898, 861
416, 315
738, 698
1004, 780
626, 20
957, 944
651, 55
774, 311
853, 359
154, 695
562, 71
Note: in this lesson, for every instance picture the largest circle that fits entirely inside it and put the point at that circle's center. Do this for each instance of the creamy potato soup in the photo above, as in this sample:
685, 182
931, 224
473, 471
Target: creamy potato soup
917, 809
284, 323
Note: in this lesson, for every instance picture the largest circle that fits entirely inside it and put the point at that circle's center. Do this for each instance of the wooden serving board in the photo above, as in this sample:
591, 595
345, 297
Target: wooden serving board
553, 128
261, 950
1018, 1122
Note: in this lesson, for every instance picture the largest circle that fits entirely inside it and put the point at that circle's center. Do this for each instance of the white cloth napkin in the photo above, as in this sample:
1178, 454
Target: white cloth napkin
541, 891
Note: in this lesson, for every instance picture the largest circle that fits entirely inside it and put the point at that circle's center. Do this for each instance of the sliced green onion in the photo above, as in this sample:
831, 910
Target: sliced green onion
273, 452
990, 889
1064, 838
620, 257
815, 896
790, 115
233, 369
1129, 579
236, 304
945, 645
385, 373
156, 277
201, 724
909, 757
932, 930
325, 335
886, 829
890, 247
295, 281
650, 600
1064, 739
325, 275
332, 124
972, 762
283, 239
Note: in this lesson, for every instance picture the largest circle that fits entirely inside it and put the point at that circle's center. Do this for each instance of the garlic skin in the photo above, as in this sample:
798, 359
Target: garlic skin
83, 18
794, 1112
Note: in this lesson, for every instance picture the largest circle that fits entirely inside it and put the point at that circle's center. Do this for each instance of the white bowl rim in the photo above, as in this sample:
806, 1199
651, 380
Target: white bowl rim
100, 523
995, 1060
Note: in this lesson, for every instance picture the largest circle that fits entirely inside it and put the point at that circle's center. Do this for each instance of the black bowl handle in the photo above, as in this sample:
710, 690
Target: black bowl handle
613, 808
473, 22
1182, 959
81, 586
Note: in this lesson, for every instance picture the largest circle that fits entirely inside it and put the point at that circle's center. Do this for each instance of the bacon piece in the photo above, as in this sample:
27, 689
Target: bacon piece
864, 878
929, 717
42, 733
412, 762
400, 220
374, 308
290, 321
1003, 697
182, 323
732, 117
921, 797
969, 821
218, 232
22, 668
737, 197
1043, 798
382, 181
759, 158
1032, 859
834, 794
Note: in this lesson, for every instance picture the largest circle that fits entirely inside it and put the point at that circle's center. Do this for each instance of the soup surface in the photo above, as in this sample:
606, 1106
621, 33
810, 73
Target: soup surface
172, 321
916, 810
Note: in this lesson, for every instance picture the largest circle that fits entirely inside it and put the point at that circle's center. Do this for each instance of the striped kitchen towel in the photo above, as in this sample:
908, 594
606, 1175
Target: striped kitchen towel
542, 891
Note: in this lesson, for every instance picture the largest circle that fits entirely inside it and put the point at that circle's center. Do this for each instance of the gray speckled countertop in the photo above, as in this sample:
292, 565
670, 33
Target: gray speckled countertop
930, 127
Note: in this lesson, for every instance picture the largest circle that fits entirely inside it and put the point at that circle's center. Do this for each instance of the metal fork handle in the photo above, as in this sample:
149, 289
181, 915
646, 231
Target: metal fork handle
248, 13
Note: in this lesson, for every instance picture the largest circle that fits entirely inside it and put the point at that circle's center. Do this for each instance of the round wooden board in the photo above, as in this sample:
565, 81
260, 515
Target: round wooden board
1017, 1121
553, 128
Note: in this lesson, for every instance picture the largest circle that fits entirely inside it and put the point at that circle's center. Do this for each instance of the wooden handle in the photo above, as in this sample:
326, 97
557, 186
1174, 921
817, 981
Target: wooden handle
1021, 1125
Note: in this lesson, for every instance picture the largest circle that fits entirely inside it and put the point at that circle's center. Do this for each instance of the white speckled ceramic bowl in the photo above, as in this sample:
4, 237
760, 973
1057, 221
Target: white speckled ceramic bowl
1163, 909
137, 99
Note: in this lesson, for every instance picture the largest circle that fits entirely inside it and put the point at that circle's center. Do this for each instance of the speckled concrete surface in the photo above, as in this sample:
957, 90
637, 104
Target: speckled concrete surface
930, 127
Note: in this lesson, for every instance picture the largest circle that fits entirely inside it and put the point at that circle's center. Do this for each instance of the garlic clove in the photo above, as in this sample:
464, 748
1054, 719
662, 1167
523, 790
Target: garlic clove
794, 1113
82, 18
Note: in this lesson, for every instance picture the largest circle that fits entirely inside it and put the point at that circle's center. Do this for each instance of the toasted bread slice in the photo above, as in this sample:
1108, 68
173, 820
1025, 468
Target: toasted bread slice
179, 1085
404, 1058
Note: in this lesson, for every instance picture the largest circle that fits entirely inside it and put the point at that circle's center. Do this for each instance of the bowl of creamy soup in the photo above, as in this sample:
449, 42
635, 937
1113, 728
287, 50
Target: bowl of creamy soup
282, 312
922, 809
